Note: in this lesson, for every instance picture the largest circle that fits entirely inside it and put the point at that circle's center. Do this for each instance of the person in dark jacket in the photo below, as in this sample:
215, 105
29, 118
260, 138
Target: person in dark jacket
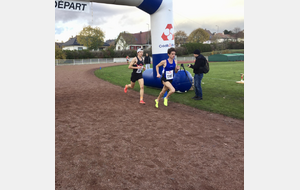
197, 67
147, 61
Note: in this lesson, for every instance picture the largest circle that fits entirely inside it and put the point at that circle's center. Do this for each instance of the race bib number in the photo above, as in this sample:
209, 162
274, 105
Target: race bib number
139, 70
169, 75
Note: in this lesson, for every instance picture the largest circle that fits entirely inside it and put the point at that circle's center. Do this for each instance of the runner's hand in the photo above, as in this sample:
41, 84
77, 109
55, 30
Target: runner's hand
158, 76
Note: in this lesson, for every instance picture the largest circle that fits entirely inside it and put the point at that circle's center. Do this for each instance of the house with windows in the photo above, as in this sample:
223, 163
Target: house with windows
240, 36
72, 44
209, 41
128, 41
221, 37
107, 44
59, 44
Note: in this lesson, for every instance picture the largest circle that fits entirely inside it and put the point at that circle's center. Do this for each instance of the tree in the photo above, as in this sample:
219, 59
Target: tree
59, 54
92, 38
240, 34
227, 32
124, 39
236, 30
180, 37
215, 38
198, 36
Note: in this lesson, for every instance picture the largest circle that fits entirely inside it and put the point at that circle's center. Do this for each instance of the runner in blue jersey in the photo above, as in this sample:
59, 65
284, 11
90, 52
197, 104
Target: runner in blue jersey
137, 65
170, 68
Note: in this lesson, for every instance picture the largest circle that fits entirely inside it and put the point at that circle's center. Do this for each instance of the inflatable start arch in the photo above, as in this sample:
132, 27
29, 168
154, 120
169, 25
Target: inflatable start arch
162, 38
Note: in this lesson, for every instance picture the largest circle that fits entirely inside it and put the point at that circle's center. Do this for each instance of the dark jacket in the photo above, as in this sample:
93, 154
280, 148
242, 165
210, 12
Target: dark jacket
199, 62
147, 60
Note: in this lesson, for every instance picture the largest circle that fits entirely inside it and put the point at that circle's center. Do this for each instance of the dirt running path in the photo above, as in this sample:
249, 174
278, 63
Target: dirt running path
104, 139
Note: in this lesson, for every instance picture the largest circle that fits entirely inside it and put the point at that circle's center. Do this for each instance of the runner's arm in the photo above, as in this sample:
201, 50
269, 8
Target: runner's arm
130, 66
163, 62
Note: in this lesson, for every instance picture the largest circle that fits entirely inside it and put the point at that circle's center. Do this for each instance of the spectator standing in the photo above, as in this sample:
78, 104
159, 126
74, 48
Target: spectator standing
197, 69
147, 61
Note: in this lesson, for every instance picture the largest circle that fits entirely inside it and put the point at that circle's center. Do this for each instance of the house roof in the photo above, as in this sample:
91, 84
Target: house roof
59, 44
109, 42
141, 37
106, 44
222, 35
209, 33
240, 34
72, 42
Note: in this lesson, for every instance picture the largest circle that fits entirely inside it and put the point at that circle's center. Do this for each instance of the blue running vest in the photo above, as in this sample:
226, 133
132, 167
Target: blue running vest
169, 70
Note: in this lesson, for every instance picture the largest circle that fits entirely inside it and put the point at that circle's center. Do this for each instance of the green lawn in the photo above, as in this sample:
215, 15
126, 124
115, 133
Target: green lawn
221, 93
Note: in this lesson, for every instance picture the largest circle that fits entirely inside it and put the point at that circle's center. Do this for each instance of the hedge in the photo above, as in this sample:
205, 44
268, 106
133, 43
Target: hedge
186, 49
190, 47
235, 45
81, 54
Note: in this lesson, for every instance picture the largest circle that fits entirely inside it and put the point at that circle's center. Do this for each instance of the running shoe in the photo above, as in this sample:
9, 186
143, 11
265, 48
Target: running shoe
142, 102
125, 89
156, 103
165, 101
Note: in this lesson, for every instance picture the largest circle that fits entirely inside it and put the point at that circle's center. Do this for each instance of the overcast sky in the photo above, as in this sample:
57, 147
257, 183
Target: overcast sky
189, 15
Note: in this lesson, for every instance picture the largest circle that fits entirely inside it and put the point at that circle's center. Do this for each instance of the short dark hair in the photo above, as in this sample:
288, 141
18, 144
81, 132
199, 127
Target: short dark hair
170, 50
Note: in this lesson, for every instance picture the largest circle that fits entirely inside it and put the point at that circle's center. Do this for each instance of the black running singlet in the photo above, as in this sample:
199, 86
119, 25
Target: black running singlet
139, 63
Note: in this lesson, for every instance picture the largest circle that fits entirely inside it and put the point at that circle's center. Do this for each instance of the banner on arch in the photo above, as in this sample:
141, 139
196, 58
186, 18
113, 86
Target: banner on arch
73, 6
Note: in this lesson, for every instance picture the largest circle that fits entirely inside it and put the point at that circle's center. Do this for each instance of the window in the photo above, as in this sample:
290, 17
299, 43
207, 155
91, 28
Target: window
80, 48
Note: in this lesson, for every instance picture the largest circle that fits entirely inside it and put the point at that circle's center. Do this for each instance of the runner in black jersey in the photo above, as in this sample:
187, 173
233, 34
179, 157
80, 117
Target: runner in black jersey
170, 68
137, 65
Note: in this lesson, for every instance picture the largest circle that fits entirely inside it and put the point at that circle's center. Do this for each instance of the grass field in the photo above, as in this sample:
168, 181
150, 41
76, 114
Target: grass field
221, 93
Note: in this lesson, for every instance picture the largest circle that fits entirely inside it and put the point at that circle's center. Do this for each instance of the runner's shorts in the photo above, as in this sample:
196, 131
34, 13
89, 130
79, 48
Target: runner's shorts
163, 79
135, 77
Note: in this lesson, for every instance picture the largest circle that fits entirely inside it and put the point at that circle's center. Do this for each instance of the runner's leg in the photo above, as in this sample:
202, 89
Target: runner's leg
170, 87
131, 85
161, 94
141, 83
